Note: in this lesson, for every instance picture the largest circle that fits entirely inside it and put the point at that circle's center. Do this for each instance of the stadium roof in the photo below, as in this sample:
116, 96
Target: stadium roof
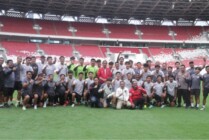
124, 9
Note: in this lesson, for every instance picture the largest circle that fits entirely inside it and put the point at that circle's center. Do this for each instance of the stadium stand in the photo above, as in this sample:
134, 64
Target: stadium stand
88, 29
17, 25
89, 50
122, 31
19, 48
52, 49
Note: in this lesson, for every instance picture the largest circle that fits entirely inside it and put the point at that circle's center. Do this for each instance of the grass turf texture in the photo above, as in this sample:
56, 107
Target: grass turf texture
86, 123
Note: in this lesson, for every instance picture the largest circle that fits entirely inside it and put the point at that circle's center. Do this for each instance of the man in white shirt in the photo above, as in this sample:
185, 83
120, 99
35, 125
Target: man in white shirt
61, 68
122, 95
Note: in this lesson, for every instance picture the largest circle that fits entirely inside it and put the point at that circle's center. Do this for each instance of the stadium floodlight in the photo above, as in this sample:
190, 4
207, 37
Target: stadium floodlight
106, 31
1, 24
72, 29
138, 32
37, 27
172, 33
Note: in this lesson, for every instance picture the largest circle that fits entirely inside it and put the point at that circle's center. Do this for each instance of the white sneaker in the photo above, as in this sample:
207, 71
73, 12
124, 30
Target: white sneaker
184, 105
73, 105
44, 106
162, 106
151, 106
35, 107
202, 109
23, 108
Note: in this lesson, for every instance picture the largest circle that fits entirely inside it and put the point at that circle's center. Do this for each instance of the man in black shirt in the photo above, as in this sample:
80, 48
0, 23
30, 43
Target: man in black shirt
1, 81
35, 67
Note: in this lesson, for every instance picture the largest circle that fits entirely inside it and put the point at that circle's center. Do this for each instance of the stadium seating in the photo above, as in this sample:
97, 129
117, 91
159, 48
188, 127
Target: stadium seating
19, 48
56, 49
155, 32
89, 50
17, 25
88, 29
61, 28
122, 31
47, 27
124, 49
181, 32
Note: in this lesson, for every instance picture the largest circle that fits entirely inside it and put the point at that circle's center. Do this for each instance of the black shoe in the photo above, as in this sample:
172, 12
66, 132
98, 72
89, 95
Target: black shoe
179, 106
6, 105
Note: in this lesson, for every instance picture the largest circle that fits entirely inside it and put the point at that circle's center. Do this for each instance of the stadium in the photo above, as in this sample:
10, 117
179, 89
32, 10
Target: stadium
139, 31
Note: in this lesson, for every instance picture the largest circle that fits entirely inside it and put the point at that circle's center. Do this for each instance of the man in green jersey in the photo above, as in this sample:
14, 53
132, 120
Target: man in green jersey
92, 68
72, 65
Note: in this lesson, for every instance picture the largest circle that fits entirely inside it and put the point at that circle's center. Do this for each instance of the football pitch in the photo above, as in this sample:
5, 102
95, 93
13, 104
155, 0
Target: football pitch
90, 123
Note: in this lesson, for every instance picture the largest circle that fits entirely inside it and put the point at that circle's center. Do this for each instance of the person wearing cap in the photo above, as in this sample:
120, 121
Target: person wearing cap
61, 91
27, 89
25, 67
78, 87
38, 88
9, 82
72, 64
156, 73
104, 72
80, 68
61, 68
1, 81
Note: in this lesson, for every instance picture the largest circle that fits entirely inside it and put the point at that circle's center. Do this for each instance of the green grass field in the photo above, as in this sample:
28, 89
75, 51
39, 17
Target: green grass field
87, 123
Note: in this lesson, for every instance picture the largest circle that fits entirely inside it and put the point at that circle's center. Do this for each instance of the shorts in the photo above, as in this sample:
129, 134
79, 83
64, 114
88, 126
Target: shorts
1, 87
8, 92
170, 98
120, 104
195, 92
77, 96
25, 94
206, 91
18, 85
157, 98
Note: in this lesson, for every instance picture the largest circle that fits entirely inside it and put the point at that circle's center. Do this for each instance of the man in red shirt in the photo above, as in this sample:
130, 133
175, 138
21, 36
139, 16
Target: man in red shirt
137, 95
104, 72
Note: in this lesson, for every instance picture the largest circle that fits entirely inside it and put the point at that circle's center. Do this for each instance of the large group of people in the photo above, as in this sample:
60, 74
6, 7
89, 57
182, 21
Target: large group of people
101, 84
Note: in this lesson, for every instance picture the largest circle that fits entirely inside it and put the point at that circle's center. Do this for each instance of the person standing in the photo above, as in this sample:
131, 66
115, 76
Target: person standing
1, 82
104, 72
18, 82
9, 83
183, 79
205, 87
